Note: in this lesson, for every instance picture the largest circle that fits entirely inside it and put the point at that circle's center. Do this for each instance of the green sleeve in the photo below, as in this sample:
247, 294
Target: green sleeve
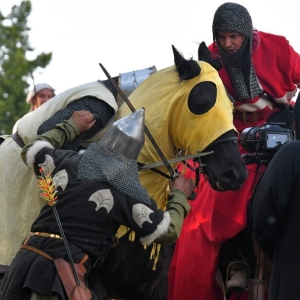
60, 135
178, 208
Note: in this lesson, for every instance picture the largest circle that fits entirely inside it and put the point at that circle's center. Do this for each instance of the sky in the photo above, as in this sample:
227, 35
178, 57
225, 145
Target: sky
132, 35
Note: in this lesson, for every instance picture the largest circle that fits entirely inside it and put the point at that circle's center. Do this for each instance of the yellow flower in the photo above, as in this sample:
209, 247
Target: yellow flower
45, 182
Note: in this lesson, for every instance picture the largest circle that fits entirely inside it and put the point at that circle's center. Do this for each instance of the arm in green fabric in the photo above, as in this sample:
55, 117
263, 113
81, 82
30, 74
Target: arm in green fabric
178, 208
60, 135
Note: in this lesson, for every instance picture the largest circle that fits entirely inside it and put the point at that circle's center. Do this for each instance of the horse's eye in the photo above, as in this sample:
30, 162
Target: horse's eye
202, 97
199, 106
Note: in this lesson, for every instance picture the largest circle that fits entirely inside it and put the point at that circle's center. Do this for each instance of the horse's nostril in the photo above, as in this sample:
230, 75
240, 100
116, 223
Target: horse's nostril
232, 175
235, 175
230, 180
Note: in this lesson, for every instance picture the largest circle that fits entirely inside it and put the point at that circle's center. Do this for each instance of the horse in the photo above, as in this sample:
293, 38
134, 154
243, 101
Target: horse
186, 108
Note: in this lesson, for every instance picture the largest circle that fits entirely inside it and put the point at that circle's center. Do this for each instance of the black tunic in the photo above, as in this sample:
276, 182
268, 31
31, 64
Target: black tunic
275, 220
90, 212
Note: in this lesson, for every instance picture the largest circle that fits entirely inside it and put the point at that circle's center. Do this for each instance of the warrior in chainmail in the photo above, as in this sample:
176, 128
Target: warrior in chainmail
97, 191
230, 17
17, 182
261, 71
262, 85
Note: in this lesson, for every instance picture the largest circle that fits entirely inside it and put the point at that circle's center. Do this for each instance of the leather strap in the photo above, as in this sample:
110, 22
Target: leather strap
36, 250
84, 259
257, 285
44, 254
260, 265
18, 139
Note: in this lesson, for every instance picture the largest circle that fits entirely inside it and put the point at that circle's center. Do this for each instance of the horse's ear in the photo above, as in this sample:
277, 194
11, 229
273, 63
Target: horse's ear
203, 52
187, 69
205, 55
178, 58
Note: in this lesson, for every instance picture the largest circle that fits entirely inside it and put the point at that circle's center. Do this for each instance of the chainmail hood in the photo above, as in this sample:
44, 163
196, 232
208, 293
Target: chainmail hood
102, 163
232, 17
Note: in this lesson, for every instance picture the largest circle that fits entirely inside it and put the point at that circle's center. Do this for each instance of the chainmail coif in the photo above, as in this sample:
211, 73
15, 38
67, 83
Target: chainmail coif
232, 17
101, 110
102, 163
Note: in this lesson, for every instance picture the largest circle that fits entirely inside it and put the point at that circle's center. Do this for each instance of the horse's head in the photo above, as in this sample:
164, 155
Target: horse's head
187, 107
210, 109
223, 168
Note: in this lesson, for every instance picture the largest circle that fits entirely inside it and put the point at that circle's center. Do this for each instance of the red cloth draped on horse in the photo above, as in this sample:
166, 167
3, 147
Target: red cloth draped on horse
209, 224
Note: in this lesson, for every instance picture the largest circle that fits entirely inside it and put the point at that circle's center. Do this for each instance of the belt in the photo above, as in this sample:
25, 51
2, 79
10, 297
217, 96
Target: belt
46, 255
42, 253
45, 234
36, 250
114, 242
249, 117
18, 139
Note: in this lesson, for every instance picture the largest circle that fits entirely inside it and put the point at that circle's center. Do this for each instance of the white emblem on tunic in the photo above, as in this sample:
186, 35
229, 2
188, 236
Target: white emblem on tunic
61, 179
103, 198
140, 214
48, 165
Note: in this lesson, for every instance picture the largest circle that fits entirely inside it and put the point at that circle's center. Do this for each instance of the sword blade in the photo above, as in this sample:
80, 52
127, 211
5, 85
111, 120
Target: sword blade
177, 159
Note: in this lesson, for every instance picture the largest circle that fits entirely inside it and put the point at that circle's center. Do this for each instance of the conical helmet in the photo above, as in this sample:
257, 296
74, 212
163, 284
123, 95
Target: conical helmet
127, 135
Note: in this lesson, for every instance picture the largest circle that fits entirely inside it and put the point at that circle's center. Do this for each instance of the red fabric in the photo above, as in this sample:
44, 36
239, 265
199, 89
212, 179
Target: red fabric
190, 275
214, 218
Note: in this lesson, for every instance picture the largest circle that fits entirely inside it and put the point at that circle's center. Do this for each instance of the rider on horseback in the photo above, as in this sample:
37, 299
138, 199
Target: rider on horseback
97, 191
261, 72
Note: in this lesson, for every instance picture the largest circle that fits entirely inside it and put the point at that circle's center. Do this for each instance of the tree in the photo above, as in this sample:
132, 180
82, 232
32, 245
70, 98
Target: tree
15, 69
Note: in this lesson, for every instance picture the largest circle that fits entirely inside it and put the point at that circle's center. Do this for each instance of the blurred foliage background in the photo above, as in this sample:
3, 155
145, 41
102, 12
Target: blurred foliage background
15, 69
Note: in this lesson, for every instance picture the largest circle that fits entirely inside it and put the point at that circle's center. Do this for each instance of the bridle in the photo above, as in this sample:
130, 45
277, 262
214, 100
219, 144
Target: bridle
234, 140
199, 169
